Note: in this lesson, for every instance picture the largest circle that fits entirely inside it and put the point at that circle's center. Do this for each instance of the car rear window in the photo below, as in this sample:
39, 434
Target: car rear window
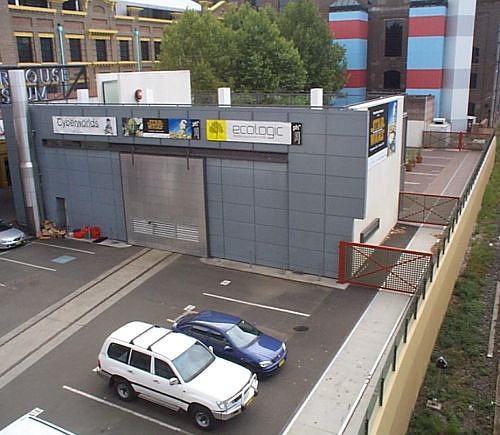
118, 352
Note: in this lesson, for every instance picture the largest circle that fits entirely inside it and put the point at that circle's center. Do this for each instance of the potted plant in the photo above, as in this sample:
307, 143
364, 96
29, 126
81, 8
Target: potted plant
410, 160
418, 157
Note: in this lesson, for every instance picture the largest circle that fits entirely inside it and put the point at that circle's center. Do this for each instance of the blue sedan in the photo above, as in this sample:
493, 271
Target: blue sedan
235, 339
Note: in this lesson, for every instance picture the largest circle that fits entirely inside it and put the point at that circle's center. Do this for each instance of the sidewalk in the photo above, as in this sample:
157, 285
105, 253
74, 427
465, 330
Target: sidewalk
346, 383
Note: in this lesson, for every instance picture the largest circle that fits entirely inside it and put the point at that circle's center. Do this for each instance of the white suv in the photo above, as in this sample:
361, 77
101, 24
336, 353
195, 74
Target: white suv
176, 371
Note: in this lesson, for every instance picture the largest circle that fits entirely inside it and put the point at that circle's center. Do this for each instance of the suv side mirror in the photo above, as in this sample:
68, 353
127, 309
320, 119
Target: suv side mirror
228, 348
173, 381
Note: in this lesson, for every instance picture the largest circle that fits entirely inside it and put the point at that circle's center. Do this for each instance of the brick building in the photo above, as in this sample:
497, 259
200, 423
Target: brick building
105, 36
445, 48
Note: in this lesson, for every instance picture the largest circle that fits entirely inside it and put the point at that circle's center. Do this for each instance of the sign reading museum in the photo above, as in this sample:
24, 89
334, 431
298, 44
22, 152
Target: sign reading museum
286, 133
89, 125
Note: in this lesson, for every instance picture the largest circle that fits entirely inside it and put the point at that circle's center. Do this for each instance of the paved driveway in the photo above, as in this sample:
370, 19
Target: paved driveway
313, 320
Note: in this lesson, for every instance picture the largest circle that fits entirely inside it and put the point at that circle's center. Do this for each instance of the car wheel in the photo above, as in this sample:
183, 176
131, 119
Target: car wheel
202, 417
124, 390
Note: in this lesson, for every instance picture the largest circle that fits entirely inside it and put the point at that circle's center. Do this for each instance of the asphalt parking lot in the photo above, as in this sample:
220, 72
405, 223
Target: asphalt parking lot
313, 320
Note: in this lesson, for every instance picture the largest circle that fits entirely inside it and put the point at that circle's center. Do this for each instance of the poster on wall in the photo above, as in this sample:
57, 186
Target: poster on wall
163, 128
88, 125
284, 133
392, 119
377, 139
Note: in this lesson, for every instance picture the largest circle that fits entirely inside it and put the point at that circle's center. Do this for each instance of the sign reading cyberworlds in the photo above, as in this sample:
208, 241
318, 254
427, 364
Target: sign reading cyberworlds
286, 133
89, 125
38, 81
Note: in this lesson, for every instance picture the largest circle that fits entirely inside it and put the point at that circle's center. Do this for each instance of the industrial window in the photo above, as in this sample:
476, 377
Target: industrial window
47, 47
32, 3
392, 79
24, 48
157, 49
155, 13
71, 5
393, 38
475, 55
75, 50
124, 49
100, 50
145, 50
473, 80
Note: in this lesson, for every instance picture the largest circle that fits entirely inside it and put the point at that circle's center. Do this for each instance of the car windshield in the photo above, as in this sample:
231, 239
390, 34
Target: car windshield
193, 361
243, 334
4, 226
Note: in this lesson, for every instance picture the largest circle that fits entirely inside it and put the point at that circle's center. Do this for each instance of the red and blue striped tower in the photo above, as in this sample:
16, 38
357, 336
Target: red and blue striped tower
348, 22
426, 46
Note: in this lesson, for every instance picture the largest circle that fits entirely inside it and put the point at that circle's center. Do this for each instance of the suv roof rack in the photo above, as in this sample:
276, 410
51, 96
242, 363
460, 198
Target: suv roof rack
161, 338
143, 332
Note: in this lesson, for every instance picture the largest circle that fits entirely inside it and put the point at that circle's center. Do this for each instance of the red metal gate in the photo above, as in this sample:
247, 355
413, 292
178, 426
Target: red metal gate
382, 267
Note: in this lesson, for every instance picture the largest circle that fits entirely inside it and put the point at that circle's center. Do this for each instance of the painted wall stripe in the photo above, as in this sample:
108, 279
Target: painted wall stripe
348, 15
426, 52
349, 29
427, 26
356, 78
428, 11
356, 52
424, 78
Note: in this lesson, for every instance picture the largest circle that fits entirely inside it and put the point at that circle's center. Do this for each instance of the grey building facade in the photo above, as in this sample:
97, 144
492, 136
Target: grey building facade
279, 205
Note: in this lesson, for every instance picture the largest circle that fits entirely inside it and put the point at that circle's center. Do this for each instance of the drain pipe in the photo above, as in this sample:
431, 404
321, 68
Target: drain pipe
19, 100
137, 49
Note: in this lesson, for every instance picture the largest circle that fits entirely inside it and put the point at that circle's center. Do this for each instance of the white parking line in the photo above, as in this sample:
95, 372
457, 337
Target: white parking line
28, 264
283, 310
423, 173
129, 411
63, 247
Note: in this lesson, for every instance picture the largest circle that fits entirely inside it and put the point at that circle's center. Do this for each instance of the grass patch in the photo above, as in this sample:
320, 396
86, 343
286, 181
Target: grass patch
466, 389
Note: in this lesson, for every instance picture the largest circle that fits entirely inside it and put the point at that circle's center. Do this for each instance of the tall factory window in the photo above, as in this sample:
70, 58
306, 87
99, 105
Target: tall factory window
393, 38
392, 79
24, 49
47, 47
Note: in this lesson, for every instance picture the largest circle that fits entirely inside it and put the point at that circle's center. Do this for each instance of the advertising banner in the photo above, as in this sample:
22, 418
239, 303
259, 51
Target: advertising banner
88, 125
392, 119
377, 139
171, 128
285, 133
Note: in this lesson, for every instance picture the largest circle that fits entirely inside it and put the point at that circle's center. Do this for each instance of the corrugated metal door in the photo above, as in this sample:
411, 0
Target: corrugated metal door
165, 203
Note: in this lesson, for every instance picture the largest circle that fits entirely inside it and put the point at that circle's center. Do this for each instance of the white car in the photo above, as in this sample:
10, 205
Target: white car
32, 424
10, 236
175, 370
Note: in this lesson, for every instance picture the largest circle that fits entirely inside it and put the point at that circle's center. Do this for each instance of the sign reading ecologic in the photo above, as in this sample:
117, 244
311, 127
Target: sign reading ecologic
89, 125
225, 130
171, 128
